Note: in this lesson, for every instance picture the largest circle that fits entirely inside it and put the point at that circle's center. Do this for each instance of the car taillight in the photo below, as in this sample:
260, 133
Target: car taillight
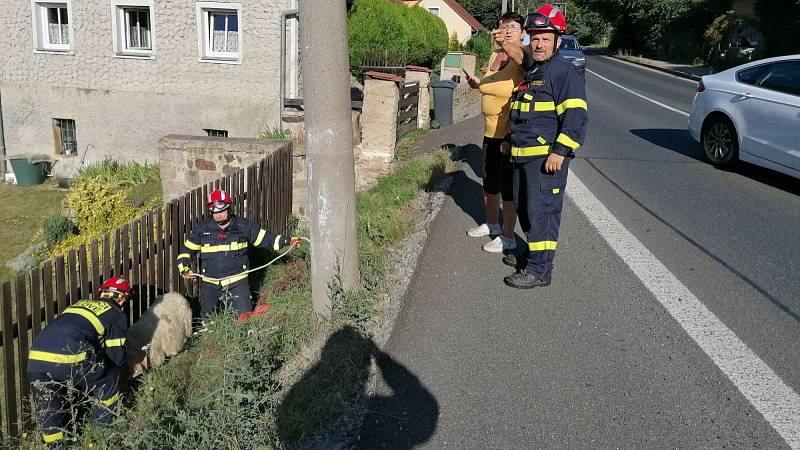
700, 86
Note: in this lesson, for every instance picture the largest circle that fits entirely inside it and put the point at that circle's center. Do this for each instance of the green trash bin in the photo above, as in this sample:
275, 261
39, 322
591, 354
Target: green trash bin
26, 172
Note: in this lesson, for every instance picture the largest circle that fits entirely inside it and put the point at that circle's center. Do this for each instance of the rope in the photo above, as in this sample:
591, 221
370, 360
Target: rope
220, 280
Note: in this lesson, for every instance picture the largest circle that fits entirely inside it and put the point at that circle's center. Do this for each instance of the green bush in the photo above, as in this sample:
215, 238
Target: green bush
57, 228
481, 45
780, 25
394, 35
452, 44
119, 174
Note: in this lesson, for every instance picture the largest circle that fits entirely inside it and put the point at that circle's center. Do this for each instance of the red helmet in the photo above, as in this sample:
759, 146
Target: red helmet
547, 18
218, 200
115, 285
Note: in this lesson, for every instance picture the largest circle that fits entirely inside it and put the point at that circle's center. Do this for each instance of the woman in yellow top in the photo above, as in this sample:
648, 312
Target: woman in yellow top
501, 78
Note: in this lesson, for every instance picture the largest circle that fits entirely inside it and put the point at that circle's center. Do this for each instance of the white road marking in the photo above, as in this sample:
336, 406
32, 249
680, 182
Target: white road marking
639, 95
639, 66
765, 390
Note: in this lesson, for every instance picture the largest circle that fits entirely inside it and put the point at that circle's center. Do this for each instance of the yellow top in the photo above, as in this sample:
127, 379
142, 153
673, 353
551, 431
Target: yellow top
496, 88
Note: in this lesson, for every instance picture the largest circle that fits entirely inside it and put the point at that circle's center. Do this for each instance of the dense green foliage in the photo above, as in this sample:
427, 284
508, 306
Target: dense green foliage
780, 26
486, 11
57, 228
481, 45
394, 35
119, 173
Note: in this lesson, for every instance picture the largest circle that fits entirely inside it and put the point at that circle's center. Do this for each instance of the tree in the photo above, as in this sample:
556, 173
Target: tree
486, 11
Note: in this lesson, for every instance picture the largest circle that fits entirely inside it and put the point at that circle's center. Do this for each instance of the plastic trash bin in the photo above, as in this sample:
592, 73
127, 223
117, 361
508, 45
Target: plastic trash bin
443, 102
26, 172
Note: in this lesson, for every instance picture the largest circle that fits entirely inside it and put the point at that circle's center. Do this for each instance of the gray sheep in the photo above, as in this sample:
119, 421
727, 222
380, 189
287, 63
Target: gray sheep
162, 331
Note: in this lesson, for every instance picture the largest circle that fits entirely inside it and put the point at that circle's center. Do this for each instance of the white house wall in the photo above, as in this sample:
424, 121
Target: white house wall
452, 21
122, 106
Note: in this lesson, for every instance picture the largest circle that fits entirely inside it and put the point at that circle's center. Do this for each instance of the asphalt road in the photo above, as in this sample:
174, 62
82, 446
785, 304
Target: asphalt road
599, 359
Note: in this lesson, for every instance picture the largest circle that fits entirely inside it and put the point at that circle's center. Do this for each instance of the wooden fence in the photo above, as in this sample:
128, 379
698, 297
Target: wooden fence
407, 108
144, 251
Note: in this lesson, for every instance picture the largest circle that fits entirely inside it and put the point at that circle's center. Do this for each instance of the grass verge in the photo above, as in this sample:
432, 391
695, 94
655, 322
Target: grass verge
225, 391
22, 212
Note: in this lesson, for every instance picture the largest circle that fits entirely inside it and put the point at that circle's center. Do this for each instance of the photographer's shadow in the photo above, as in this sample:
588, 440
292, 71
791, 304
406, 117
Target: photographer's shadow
400, 415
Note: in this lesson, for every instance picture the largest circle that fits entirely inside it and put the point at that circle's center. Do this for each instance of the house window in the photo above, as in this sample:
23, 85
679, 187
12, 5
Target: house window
216, 133
434, 11
133, 28
64, 132
52, 28
219, 26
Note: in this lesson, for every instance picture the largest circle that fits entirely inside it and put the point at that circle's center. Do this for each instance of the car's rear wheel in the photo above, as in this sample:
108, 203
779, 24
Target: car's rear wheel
720, 143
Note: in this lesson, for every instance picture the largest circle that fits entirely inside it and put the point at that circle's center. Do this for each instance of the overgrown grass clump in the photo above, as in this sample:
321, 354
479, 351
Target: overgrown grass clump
119, 174
227, 390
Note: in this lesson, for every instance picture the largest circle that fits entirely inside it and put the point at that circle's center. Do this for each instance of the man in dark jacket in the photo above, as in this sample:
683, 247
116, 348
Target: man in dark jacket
548, 124
223, 241
81, 352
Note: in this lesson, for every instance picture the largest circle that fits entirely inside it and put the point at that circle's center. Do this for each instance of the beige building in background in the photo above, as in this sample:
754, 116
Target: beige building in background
108, 78
455, 17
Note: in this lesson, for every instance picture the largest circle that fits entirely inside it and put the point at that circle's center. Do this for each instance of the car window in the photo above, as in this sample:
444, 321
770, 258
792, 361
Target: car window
783, 77
752, 75
569, 44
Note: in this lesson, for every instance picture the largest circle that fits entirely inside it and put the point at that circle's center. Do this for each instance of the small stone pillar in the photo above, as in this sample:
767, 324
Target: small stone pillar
379, 115
423, 75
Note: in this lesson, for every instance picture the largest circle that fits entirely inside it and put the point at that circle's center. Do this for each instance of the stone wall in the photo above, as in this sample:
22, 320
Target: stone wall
188, 162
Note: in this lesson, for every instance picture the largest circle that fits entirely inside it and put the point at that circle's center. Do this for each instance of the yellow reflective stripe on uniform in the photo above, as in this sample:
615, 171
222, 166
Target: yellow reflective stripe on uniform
115, 342
537, 150
544, 106
223, 248
98, 326
277, 245
56, 357
567, 141
525, 107
191, 245
556, 191
260, 238
541, 140
541, 246
48, 438
528, 97
184, 255
228, 280
571, 103
111, 400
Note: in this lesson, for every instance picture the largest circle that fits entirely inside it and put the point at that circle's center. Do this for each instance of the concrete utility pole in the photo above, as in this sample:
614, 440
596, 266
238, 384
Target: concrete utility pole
504, 8
329, 148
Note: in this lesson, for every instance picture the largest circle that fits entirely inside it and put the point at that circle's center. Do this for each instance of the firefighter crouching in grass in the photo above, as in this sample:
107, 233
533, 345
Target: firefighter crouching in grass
223, 241
80, 353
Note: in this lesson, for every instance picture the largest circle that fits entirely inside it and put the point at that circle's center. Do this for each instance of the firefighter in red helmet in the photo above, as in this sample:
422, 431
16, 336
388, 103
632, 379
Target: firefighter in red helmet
548, 125
222, 242
81, 351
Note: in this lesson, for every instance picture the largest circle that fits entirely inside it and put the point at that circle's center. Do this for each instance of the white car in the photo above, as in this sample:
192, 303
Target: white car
751, 113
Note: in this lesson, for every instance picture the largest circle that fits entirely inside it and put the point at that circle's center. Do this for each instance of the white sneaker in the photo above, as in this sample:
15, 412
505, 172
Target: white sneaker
484, 230
500, 244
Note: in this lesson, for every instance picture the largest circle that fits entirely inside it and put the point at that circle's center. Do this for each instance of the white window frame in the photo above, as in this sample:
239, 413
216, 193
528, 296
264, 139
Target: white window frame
119, 27
204, 35
41, 35
438, 10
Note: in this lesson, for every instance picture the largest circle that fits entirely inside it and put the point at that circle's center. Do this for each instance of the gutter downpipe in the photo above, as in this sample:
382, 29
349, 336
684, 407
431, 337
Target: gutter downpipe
2, 142
282, 94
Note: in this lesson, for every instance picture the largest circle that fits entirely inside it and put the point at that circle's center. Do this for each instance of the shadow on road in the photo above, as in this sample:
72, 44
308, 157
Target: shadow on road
673, 139
680, 141
405, 418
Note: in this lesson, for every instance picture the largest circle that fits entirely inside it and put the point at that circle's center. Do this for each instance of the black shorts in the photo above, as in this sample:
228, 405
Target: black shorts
497, 170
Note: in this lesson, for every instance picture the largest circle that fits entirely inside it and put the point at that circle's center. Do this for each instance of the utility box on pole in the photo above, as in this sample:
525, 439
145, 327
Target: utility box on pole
329, 148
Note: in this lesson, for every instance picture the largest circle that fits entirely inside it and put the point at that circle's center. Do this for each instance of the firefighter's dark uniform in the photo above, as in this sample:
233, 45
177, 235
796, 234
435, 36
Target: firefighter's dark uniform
548, 115
223, 255
81, 352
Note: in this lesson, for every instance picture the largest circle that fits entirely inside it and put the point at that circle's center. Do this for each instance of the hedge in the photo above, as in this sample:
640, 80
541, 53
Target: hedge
394, 35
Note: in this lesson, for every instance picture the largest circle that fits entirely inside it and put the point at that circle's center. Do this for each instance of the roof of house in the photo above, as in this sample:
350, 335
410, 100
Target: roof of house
469, 18
457, 8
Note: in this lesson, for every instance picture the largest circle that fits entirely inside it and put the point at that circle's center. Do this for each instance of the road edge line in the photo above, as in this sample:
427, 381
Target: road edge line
777, 402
